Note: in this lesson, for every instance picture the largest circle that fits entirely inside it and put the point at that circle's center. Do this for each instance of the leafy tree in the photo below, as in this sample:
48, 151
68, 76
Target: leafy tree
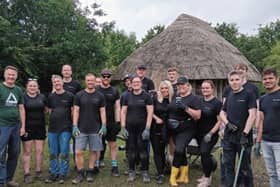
273, 60
154, 31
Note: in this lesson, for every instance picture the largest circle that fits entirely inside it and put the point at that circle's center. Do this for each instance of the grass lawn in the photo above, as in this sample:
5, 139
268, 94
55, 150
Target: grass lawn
104, 179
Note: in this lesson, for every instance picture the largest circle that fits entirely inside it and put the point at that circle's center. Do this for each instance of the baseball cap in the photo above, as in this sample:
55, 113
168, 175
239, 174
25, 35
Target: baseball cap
141, 66
106, 72
182, 80
128, 76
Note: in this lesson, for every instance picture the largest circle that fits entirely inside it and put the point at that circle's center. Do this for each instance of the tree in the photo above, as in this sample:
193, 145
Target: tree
273, 60
154, 31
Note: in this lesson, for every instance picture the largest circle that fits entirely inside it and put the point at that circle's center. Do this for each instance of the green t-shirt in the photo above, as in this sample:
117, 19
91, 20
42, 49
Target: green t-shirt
10, 98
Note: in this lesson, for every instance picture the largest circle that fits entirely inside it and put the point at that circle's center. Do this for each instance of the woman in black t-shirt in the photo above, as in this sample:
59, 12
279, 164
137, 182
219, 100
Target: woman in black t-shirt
208, 127
35, 108
158, 128
183, 112
136, 118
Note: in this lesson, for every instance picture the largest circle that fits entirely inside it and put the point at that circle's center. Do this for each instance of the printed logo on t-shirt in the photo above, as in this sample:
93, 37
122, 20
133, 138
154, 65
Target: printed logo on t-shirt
241, 100
64, 101
141, 101
11, 100
275, 100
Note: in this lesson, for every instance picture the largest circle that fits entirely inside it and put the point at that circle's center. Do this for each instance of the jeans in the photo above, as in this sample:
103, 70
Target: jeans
59, 147
271, 154
245, 177
9, 143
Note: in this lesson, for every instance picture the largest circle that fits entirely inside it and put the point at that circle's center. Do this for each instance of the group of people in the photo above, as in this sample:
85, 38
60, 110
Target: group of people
167, 118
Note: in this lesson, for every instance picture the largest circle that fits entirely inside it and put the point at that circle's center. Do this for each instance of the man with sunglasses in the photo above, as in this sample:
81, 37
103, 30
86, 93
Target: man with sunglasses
112, 100
12, 125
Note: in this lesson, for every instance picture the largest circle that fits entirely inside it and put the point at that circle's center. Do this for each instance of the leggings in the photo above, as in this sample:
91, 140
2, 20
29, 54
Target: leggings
207, 159
135, 144
158, 145
182, 139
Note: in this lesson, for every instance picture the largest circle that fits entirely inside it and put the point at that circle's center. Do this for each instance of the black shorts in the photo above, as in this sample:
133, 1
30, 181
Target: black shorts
34, 134
112, 131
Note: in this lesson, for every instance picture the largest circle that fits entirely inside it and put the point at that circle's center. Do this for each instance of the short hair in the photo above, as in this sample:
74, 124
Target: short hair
54, 76
11, 67
89, 74
66, 65
269, 71
172, 69
209, 82
235, 72
241, 66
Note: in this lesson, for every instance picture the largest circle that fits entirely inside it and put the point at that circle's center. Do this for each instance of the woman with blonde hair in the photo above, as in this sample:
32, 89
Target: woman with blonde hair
158, 127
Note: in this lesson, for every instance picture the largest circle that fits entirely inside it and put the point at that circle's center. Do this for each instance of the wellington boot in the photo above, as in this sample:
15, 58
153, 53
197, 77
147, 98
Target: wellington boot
173, 175
184, 175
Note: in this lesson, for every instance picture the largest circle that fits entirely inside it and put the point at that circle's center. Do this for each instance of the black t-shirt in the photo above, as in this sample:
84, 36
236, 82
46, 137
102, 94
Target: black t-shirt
136, 116
73, 86
35, 110
60, 117
248, 86
270, 106
174, 86
209, 112
123, 95
236, 107
111, 95
181, 115
160, 109
147, 84
89, 117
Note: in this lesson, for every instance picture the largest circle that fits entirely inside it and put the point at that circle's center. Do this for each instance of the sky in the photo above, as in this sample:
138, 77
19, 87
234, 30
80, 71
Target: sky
139, 16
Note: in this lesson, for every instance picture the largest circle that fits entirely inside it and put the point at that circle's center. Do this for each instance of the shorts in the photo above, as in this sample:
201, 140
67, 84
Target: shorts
112, 132
34, 134
93, 140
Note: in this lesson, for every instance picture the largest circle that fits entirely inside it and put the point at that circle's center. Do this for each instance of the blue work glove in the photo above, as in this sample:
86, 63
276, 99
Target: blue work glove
231, 127
207, 138
103, 131
257, 149
244, 140
124, 133
75, 131
146, 134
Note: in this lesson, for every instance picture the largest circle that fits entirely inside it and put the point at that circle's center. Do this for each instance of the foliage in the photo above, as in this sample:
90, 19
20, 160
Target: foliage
273, 60
154, 31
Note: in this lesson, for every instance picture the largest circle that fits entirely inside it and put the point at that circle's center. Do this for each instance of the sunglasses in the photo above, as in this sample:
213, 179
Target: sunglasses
106, 76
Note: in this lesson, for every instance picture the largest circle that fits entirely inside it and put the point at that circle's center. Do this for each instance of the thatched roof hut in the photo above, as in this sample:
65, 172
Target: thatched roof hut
192, 46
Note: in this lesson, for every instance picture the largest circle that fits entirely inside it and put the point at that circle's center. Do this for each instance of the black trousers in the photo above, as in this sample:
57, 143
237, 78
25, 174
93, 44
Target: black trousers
135, 144
102, 153
207, 159
158, 144
182, 139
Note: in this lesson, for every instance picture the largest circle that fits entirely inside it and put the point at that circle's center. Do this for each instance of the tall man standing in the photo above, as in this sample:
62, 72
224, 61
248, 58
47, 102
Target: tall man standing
172, 75
147, 84
269, 130
12, 125
89, 125
238, 113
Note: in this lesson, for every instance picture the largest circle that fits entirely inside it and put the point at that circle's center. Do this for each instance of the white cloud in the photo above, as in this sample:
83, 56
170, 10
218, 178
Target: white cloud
140, 16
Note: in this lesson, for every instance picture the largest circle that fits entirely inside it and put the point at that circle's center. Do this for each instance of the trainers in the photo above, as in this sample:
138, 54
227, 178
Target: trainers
79, 178
27, 178
12, 184
102, 163
131, 176
61, 179
206, 182
52, 178
146, 177
201, 179
95, 170
89, 177
160, 179
115, 171
38, 175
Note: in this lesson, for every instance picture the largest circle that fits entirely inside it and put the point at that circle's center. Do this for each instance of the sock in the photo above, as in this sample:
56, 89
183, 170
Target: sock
114, 163
97, 163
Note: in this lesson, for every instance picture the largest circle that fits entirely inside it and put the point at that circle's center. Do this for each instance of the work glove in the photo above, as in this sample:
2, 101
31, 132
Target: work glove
231, 127
244, 140
124, 133
103, 131
257, 149
75, 131
207, 137
146, 134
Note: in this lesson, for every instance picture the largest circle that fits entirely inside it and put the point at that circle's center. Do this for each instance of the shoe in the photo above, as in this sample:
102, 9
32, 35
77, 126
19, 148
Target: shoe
52, 178
95, 170
101, 164
201, 178
146, 177
160, 179
173, 176
27, 178
89, 175
61, 179
206, 182
12, 184
131, 176
79, 178
184, 175
115, 171
38, 175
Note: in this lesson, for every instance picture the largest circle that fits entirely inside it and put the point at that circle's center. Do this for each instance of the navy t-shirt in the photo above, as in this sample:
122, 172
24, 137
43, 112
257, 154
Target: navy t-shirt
89, 116
270, 106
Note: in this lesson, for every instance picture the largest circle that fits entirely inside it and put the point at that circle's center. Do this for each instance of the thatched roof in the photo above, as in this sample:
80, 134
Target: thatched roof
192, 46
